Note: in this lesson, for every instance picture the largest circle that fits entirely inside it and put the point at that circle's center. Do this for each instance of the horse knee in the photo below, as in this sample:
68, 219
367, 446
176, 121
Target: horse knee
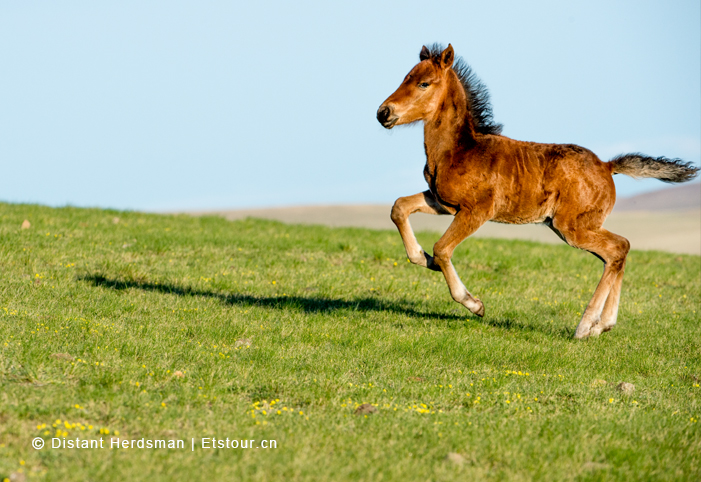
441, 254
399, 211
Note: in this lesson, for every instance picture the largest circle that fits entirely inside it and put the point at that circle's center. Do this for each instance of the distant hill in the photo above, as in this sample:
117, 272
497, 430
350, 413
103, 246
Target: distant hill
677, 198
667, 220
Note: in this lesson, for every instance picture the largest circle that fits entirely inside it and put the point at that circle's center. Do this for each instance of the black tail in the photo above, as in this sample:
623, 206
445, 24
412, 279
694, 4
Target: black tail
668, 170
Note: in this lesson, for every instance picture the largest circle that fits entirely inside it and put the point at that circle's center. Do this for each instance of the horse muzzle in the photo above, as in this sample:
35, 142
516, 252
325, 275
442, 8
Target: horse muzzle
386, 117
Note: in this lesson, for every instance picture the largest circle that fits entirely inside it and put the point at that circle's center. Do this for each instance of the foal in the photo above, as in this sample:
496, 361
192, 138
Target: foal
477, 175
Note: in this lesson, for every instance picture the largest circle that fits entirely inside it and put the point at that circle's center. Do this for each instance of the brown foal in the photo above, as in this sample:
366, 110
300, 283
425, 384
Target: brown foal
477, 175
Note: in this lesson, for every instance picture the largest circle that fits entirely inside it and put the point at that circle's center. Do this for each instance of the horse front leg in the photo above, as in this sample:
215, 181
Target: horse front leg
423, 202
462, 226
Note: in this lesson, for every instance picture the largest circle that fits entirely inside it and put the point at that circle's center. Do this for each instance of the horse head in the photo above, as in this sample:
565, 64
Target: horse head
420, 94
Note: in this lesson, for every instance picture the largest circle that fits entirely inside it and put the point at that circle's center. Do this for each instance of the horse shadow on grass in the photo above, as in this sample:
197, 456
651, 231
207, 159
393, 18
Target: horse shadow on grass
308, 304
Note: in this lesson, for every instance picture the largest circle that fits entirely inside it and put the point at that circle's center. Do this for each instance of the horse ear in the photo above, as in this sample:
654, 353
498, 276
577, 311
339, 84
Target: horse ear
447, 57
425, 54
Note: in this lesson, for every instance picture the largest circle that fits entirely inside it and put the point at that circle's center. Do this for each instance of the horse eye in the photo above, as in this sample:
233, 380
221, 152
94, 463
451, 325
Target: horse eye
423, 85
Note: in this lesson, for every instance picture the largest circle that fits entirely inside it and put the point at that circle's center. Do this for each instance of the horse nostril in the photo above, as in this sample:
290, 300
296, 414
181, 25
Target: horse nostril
383, 114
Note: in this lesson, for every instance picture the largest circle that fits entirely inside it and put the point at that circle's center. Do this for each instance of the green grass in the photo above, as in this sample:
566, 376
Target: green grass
96, 317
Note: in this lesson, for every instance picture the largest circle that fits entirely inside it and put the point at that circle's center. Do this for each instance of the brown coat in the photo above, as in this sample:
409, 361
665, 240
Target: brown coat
478, 175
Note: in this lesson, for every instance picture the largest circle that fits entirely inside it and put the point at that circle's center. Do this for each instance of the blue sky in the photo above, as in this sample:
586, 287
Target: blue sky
196, 105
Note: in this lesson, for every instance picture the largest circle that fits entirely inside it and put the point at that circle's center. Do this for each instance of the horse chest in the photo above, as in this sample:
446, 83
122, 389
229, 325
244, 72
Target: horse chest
440, 187
430, 177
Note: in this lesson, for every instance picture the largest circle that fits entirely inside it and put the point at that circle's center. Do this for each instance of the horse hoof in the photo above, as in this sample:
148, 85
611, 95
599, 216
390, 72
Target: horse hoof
598, 330
480, 311
581, 334
595, 331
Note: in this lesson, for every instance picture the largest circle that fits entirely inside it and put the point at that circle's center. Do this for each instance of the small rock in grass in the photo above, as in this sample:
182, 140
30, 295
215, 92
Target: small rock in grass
17, 477
178, 374
242, 342
26, 224
456, 458
598, 383
62, 356
365, 409
626, 388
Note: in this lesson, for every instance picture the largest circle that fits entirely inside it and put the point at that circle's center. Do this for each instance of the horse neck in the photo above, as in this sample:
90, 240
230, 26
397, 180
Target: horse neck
452, 127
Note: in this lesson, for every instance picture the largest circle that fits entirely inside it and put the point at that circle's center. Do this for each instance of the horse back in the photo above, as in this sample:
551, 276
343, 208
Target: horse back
527, 182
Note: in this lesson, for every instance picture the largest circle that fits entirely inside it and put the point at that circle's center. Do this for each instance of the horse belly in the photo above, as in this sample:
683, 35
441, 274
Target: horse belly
520, 218
526, 209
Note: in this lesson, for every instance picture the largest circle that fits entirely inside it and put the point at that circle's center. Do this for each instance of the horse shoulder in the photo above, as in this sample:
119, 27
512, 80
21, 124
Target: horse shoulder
467, 178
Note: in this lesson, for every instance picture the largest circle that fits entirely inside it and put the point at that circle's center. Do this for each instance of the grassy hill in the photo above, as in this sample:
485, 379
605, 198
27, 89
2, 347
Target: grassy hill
120, 325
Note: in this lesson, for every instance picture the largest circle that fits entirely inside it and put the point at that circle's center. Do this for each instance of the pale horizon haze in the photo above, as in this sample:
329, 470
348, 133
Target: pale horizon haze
163, 106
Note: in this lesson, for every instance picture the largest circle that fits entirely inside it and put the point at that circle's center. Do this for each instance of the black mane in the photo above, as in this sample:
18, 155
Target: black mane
477, 94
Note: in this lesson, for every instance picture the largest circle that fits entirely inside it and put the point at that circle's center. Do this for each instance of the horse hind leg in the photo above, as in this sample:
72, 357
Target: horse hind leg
609, 314
602, 310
